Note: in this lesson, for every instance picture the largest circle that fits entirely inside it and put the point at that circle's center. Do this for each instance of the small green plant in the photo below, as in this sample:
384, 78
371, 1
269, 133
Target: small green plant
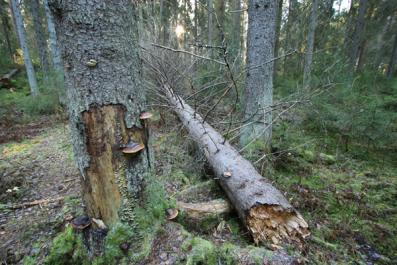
67, 249
119, 234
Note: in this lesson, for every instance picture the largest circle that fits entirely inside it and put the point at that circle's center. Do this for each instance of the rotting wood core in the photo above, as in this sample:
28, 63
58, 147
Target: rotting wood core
274, 223
103, 188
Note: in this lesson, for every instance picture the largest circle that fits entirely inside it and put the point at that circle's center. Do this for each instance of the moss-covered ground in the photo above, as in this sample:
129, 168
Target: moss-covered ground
347, 197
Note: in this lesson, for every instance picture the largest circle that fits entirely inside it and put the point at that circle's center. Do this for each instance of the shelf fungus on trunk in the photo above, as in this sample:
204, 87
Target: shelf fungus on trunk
81, 223
264, 210
133, 147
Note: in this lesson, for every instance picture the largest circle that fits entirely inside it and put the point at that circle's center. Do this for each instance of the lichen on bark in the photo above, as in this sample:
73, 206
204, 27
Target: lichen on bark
98, 42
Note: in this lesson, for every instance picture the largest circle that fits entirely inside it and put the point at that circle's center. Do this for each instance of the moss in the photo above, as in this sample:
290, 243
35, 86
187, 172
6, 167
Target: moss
328, 159
257, 254
67, 248
308, 155
29, 261
203, 252
118, 234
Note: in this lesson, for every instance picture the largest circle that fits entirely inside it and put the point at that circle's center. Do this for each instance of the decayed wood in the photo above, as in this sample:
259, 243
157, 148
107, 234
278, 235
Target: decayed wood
264, 210
6, 79
204, 209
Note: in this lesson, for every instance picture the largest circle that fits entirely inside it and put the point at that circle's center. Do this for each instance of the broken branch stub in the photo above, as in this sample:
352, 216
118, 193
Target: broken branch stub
264, 210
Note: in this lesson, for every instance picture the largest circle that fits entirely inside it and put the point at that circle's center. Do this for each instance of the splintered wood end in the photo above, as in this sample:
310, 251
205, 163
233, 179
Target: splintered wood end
275, 224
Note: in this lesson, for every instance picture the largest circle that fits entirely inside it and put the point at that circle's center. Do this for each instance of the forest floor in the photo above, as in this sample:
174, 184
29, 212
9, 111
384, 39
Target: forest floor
350, 204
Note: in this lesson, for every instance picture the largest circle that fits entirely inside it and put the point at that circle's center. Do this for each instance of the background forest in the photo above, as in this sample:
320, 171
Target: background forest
325, 96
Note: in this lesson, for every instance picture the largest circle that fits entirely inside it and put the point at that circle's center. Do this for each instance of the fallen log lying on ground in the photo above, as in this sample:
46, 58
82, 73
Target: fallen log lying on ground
264, 210
5, 80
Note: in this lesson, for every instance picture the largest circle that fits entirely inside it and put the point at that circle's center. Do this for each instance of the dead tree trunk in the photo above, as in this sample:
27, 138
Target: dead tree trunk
105, 98
5, 80
266, 213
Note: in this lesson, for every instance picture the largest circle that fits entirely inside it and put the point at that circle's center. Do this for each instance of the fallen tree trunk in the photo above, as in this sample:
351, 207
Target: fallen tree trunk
264, 210
5, 80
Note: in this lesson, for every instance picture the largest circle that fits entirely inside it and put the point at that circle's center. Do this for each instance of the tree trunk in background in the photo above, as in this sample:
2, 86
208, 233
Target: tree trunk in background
55, 52
41, 42
220, 14
210, 21
259, 81
161, 33
310, 45
390, 67
329, 8
236, 31
290, 43
24, 45
105, 97
196, 26
358, 37
277, 37
6, 31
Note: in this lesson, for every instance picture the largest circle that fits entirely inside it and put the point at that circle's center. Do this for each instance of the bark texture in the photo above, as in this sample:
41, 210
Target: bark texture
5, 80
259, 81
358, 34
310, 45
41, 42
236, 39
390, 67
266, 213
19, 26
55, 52
5, 25
277, 37
210, 24
105, 97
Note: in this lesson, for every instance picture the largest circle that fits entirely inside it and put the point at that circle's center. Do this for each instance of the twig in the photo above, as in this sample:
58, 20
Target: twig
187, 52
34, 203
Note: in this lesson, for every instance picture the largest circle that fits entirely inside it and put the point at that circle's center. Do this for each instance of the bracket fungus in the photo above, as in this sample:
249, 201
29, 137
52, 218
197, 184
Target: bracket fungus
172, 214
133, 147
81, 223
145, 115
91, 63
227, 174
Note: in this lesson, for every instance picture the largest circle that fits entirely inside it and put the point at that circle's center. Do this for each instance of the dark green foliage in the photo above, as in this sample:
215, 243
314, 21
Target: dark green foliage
17, 104
67, 249
362, 114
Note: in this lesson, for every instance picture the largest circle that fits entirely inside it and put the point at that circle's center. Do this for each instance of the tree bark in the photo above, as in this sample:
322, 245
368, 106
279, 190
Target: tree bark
277, 44
265, 212
259, 81
290, 43
5, 80
210, 21
55, 52
236, 39
41, 42
310, 45
220, 14
105, 97
196, 26
358, 37
24, 45
6, 31
390, 67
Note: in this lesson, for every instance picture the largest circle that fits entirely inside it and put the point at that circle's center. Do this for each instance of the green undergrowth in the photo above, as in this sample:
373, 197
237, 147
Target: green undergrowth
68, 248
202, 251
348, 198
17, 105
